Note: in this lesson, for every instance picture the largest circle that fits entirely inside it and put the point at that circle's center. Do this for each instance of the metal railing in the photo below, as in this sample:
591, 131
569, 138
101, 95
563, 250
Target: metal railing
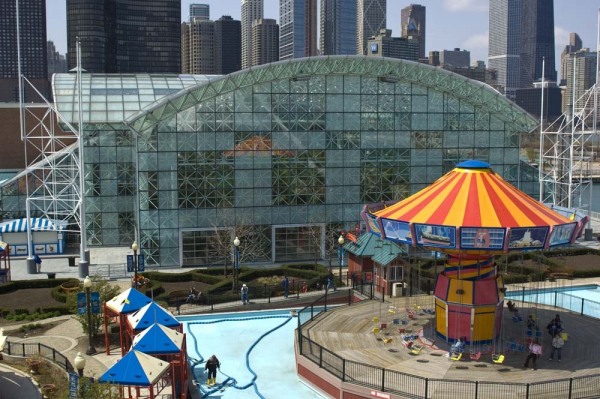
29, 349
411, 386
558, 299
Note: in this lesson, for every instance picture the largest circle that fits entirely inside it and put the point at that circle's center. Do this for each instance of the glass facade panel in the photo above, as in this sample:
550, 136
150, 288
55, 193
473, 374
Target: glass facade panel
275, 153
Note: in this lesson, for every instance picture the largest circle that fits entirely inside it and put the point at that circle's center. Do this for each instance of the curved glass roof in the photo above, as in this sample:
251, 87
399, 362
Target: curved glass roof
387, 69
112, 98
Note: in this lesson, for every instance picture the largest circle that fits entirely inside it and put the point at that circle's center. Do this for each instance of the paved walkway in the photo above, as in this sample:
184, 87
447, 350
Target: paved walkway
66, 335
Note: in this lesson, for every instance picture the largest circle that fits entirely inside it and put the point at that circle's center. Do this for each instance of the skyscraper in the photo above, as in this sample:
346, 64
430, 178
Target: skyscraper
580, 76
338, 27
297, 28
210, 47
197, 47
251, 11
412, 19
370, 19
32, 26
125, 36
504, 42
228, 50
57, 62
537, 41
265, 41
199, 12
575, 44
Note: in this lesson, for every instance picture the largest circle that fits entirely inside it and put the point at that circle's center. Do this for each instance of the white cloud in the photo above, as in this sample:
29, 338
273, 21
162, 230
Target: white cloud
561, 36
466, 5
478, 41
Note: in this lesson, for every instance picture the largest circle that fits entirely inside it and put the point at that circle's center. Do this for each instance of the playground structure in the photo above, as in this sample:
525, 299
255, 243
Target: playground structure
471, 214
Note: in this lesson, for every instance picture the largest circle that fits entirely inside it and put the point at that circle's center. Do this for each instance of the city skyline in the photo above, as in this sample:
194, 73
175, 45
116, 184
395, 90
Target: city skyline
450, 23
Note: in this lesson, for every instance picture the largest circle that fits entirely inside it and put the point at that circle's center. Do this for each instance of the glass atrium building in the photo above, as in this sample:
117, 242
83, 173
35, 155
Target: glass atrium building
283, 155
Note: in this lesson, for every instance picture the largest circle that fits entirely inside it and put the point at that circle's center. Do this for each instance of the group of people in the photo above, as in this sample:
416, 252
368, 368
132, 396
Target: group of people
535, 348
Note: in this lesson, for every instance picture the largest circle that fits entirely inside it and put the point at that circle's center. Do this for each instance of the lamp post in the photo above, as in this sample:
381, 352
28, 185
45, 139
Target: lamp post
79, 363
236, 261
87, 284
135, 247
341, 254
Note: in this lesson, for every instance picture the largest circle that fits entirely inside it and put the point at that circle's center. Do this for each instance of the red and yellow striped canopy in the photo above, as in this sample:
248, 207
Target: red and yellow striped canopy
473, 195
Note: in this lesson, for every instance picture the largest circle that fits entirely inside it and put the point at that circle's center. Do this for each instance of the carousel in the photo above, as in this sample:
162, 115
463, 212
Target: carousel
470, 215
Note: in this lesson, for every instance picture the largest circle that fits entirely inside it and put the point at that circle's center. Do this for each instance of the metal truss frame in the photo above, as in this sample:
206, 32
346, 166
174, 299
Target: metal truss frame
53, 164
567, 153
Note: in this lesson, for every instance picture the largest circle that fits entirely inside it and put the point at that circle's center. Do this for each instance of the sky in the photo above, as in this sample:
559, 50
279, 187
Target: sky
450, 23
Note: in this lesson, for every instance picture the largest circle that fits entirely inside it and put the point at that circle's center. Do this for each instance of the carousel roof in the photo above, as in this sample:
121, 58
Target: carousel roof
128, 301
158, 340
135, 369
473, 199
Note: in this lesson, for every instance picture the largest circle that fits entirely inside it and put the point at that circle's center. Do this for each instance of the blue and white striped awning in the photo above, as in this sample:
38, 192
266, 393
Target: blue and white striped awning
39, 224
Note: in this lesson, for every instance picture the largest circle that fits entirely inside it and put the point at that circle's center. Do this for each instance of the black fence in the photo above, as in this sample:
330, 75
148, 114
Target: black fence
272, 294
30, 349
411, 386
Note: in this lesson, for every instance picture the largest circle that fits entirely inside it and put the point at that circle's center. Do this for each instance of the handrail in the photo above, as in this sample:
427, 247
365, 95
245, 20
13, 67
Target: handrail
417, 387
28, 349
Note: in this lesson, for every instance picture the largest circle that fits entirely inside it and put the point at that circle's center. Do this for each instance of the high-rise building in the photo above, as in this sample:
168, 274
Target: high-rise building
370, 19
412, 19
228, 50
199, 12
125, 36
504, 43
457, 58
297, 29
210, 47
575, 44
34, 65
265, 41
251, 11
384, 45
537, 42
57, 63
197, 47
581, 75
338, 27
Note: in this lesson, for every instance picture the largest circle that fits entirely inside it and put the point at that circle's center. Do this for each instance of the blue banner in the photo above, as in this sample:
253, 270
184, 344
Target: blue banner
141, 263
95, 299
130, 263
81, 302
73, 385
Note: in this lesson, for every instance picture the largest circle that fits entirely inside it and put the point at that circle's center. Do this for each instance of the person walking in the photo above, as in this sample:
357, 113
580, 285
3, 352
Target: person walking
330, 282
535, 351
212, 364
557, 343
38, 263
244, 293
286, 286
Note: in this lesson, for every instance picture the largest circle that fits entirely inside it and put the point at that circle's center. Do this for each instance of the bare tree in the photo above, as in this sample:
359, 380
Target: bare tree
250, 248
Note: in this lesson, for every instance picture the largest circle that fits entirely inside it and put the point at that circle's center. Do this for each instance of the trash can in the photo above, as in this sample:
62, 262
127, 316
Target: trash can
51, 276
71, 261
397, 289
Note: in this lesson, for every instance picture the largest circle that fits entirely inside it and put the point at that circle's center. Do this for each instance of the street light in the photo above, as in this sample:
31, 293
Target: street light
87, 284
341, 254
79, 363
135, 247
236, 261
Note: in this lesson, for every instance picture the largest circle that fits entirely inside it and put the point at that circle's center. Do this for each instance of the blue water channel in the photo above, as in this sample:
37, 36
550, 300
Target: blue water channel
256, 351
582, 299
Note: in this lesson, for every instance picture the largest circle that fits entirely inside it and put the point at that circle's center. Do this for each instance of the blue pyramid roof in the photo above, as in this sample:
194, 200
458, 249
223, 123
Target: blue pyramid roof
150, 314
158, 340
128, 301
136, 369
